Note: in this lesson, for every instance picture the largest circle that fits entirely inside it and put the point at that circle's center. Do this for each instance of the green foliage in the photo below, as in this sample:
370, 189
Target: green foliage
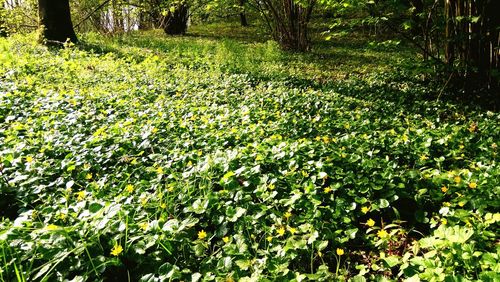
195, 159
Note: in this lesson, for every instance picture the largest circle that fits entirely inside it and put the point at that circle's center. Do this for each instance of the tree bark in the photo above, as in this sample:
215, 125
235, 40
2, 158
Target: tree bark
55, 17
243, 16
176, 22
3, 29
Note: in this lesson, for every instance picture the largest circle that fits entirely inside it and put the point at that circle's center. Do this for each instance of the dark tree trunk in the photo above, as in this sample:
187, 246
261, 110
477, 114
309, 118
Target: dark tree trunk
176, 22
288, 22
416, 15
55, 17
3, 29
243, 16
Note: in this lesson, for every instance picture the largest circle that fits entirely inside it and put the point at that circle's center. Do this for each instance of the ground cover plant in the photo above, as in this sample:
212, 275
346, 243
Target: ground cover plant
146, 158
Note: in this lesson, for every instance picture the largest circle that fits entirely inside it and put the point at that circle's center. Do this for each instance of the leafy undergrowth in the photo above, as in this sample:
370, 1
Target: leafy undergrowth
154, 163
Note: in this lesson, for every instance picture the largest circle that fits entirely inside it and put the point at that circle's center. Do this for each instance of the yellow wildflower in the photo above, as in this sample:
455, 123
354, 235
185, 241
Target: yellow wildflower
287, 215
370, 222
159, 170
202, 235
271, 186
51, 227
281, 231
130, 188
225, 239
423, 157
365, 209
292, 230
80, 196
382, 233
190, 164
144, 226
305, 174
473, 185
88, 176
117, 250
327, 190
444, 189
29, 159
457, 179
461, 204
163, 206
473, 127
154, 130
340, 251
444, 221
269, 238
404, 138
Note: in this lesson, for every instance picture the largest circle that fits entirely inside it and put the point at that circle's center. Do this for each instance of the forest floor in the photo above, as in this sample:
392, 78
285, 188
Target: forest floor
217, 156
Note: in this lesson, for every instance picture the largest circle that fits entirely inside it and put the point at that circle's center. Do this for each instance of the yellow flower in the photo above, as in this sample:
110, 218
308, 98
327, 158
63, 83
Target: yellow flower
225, 239
190, 164
461, 204
51, 227
269, 238
159, 170
80, 195
271, 186
292, 230
457, 179
144, 226
365, 209
202, 235
88, 176
340, 251
154, 130
281, 231
130, 188
444, 189
404, 138
29, 159
327, 190
382, 233
473, 185
117, 250
370, 222
287, 215
473, 127
305, 174
444, 221
423, 157
163, 206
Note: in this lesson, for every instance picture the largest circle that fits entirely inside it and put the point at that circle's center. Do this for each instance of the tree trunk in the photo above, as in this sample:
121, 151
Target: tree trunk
288, 21
55, 17
3, 28
176, 22
416, 16
243, 16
